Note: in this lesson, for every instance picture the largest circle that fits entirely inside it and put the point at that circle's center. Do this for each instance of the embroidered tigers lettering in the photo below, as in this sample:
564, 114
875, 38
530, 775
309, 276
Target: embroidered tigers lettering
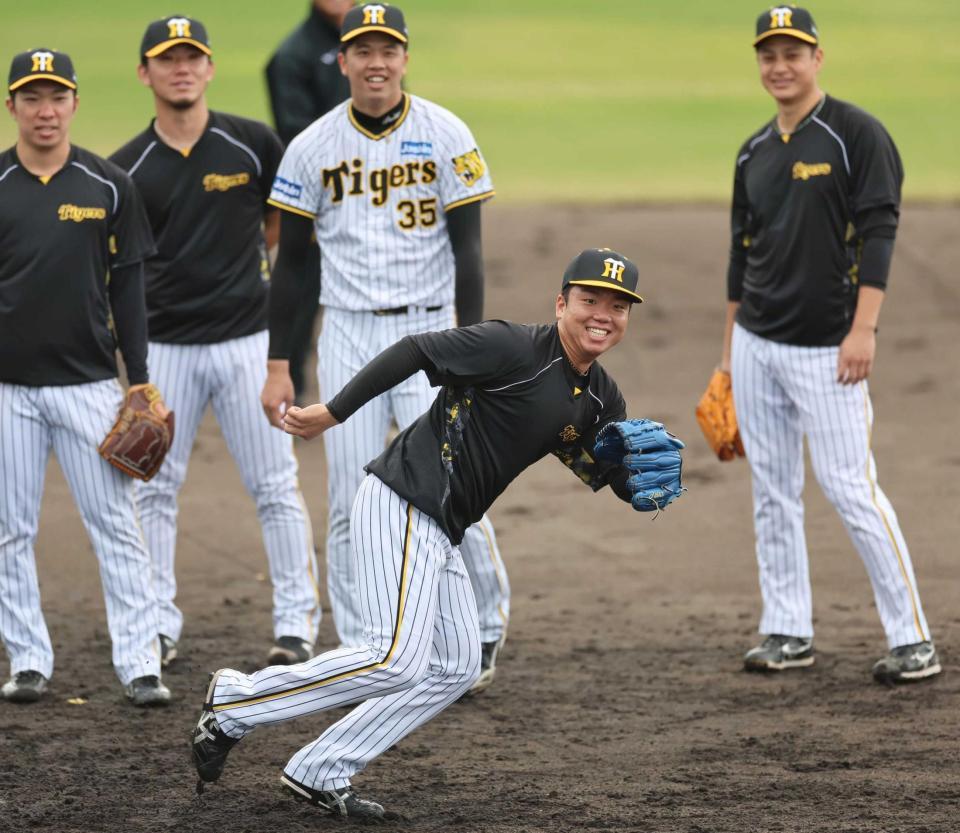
78, 214
224, 182
378, 182
801, 170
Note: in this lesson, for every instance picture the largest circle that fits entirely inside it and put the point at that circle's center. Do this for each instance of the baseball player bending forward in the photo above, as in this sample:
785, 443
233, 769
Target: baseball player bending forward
510, 395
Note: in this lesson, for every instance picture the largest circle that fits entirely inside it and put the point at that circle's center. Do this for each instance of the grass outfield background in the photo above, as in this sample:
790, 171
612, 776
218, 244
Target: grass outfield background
612, 100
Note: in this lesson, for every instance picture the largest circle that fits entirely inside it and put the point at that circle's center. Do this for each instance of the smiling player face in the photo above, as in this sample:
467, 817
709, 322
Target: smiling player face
374, 64
788, 68
43, 111
178, 76
591, 320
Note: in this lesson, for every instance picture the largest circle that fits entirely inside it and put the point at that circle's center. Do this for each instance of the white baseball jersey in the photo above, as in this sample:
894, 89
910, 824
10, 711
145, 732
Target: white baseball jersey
379, 202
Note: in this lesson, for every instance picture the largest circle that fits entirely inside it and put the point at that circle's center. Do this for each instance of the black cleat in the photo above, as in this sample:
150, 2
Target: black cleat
25, 687
778, 653
344, 802
489, 652
210, 746
289, 650
907, 664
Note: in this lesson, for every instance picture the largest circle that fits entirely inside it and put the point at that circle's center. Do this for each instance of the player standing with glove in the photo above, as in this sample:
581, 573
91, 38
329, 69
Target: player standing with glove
74, 237
510, 394
816, 201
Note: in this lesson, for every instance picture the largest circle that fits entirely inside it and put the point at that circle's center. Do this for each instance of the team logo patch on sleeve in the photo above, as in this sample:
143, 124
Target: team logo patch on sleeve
416, 148
469, 167
293, 190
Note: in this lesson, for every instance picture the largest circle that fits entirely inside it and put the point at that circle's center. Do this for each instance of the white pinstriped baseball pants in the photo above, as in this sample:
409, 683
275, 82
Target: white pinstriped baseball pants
783, 393
348, 341
230, 375
72, 420
422, 653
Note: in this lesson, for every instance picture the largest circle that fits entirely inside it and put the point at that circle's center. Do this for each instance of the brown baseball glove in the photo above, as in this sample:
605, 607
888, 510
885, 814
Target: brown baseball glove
717, 418
142, 434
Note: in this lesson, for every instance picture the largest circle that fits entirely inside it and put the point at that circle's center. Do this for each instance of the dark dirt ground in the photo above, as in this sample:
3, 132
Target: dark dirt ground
619, 704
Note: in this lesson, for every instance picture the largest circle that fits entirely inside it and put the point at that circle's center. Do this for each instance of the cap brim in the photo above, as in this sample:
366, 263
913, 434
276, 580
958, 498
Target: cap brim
790, 33
41, 76
394, 33
163, 47
605, 285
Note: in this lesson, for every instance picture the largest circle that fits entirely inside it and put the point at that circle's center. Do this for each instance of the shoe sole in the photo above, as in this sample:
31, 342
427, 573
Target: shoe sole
281, 656
300, 794
784, 665
153, 700
909, 676
483, 682
24, 696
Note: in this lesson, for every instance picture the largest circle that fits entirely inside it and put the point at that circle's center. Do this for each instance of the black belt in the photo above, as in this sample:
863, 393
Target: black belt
405, 310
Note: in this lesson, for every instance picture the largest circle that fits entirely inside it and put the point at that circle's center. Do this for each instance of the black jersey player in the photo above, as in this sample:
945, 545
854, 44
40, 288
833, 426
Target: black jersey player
74, 236
816, 202
510, 394
205, 177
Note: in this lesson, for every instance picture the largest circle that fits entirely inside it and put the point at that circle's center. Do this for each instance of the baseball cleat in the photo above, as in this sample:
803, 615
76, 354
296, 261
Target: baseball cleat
908, 663
210, 746
489, 652
289, 650
343, 802
778, 653
168, 650
147, 691
25, 687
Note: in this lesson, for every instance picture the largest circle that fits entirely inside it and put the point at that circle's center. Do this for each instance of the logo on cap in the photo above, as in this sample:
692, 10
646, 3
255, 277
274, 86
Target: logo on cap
613, 269
781, 17
179, 27
42, 62
373, 15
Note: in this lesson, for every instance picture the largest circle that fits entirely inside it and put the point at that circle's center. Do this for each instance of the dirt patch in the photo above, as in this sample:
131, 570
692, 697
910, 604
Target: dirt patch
620, 704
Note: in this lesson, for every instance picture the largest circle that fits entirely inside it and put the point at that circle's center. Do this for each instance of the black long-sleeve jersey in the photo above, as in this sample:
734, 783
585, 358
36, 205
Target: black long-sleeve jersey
208, 281
61, 237
804, 204
508, 397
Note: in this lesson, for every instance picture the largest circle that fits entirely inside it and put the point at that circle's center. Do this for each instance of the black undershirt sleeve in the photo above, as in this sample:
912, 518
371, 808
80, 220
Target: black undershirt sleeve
878, 229
463, 226
618, 482
288, 293
128, 305
739, 220
398, 362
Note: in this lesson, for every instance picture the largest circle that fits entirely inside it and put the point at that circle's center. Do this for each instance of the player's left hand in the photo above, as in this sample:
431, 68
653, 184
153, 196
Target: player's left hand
856, 355
307, 422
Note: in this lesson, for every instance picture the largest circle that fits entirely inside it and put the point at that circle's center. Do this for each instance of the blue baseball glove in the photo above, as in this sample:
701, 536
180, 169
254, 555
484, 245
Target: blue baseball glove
651, 453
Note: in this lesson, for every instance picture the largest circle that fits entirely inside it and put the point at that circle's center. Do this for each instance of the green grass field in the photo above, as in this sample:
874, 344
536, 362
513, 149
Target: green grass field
614, 100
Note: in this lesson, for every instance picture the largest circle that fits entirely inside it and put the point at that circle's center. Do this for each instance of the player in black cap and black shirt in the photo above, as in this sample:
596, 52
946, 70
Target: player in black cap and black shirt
74, 236
816, 201
205, 177
510, 394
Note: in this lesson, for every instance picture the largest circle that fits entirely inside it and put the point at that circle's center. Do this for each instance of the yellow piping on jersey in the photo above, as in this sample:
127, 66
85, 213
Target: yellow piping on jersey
344, 675
389, 130
291, 209
466, 200
873, 496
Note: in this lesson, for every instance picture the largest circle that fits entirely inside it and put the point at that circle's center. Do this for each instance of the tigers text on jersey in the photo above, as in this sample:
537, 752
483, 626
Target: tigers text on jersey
60, 236
799, 202
206, 284
509, 398
379, 202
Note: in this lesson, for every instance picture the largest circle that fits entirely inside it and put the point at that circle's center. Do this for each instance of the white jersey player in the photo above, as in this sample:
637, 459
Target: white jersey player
393, 185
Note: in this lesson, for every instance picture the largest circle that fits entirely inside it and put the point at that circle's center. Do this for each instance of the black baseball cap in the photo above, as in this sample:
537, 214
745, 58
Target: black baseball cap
162, 34
606, 269
787, 20
373, 17
41, 65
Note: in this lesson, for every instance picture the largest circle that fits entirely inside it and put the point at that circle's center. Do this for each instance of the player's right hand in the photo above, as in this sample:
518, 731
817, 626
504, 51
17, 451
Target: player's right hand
277, 395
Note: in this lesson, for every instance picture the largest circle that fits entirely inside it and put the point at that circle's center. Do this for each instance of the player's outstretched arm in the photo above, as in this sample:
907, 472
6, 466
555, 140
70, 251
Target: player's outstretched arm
287, 293
463, 226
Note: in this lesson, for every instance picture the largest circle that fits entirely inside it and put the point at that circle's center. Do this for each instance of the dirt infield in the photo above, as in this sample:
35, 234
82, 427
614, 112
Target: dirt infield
620, 704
